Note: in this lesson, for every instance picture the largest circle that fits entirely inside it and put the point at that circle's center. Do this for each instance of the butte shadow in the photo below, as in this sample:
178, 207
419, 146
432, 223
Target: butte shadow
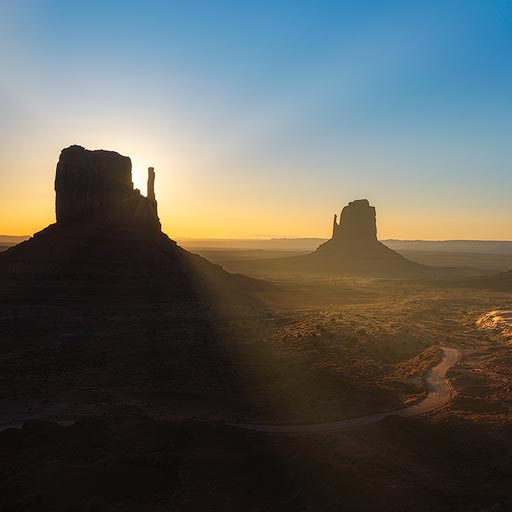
108, 240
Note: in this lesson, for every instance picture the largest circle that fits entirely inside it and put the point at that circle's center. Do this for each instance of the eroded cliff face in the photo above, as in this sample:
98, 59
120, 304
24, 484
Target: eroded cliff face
357, 222
97, 186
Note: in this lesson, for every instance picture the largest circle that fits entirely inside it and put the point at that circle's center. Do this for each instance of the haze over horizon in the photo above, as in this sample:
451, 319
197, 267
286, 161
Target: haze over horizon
268, 118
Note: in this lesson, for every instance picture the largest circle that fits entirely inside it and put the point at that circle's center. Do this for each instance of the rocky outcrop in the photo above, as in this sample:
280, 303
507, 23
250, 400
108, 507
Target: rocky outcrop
357, 222
353, 249
97, 186
151, 184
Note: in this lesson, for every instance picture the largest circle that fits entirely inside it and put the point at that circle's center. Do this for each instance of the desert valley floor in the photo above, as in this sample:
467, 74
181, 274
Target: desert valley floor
149, 389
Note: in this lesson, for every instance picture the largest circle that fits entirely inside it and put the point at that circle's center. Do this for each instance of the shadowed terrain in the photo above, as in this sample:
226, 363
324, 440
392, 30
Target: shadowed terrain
126, 358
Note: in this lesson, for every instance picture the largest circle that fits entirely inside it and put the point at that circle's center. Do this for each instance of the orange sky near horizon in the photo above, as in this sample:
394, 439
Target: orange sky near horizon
406, 104
247, 210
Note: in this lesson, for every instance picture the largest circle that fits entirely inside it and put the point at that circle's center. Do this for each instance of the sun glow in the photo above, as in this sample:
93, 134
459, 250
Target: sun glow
242, 149
139, 178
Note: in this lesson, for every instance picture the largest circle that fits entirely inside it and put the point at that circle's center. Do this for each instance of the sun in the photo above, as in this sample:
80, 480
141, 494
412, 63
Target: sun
139, 178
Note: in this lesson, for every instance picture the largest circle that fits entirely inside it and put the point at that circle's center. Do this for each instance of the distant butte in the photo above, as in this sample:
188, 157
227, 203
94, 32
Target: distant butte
354, 246
352, 249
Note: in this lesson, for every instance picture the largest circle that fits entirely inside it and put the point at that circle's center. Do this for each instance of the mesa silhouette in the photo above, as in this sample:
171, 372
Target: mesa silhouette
108, 234
352, 249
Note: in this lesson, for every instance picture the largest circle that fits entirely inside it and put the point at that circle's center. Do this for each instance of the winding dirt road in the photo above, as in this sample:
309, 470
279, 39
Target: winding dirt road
439, 389
439, 393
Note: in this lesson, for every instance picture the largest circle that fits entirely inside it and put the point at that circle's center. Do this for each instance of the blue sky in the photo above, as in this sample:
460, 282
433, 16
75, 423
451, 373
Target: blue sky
264, 118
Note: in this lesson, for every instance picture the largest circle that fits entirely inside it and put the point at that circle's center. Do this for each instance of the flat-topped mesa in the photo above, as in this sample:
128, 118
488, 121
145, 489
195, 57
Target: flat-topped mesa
97, 186
357, 222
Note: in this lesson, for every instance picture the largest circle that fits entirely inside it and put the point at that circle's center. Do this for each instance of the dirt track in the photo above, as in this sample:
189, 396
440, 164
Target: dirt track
439, 393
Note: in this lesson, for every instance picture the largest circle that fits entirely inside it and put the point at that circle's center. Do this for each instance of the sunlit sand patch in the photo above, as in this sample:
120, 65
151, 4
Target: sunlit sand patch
498, 320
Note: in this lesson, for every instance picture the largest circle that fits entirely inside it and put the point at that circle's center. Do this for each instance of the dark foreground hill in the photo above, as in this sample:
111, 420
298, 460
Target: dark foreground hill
136, 464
